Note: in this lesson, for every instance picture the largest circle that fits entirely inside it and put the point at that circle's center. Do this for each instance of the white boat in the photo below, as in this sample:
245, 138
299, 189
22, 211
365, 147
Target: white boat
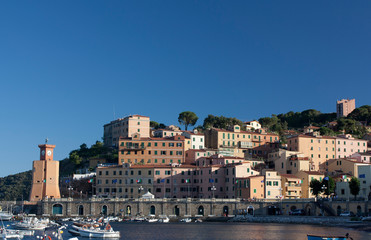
164, 220
186, 220
107, 232
152, 219
30, 224
9, 234
5, 216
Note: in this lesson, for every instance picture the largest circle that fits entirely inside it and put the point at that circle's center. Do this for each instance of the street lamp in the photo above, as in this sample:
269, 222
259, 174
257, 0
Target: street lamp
213, 189
323, 190
140, 189
69, 191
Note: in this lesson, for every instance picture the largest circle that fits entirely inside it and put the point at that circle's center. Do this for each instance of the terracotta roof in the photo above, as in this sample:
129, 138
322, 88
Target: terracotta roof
288, 176
307, 136
313, 173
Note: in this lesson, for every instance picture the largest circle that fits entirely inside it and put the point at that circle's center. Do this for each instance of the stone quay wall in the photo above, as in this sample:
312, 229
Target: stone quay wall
195, 207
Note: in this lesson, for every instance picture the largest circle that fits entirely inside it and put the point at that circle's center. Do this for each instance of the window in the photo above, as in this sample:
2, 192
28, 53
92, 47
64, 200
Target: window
157, 172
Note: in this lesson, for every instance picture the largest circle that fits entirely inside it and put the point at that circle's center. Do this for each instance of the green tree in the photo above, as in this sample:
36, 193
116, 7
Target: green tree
75, 158
154, 124
354, 186
187, 118
362, 113
329, 184
325, 131
316, 187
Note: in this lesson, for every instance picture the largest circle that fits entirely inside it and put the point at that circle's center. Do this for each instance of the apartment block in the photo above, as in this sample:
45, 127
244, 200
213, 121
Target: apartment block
306, 177
170, 181
256, 143
364, 157
139, 150
288, 162
273, 188
252, 125
291, 186
344, 107
364, 176
250, 187
343, 165
125, 127
197, 139
318, 148
346, 145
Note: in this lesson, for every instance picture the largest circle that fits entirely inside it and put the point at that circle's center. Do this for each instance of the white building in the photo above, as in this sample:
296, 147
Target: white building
252, 125
197, 139
364, 176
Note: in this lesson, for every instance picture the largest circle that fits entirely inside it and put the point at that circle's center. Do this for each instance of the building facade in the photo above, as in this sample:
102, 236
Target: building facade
318, 148
346, 145
344, 107
125, 127
139, 150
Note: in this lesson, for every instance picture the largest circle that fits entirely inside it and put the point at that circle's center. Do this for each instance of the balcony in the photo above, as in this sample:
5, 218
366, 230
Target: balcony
132, 147
245, 144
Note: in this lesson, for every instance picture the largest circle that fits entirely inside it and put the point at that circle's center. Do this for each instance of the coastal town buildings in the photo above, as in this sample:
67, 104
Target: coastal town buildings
317, 148
364, 176
238, 142
252, 125
346, 145
343, 165
197, 139
291, 186
251, 187
362, 156
141, 150
125, 127
344, 107
306, 177
288, 162
273, 187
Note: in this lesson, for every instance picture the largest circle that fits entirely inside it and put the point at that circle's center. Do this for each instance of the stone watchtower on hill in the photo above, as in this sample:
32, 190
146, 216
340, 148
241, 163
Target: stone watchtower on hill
45, 175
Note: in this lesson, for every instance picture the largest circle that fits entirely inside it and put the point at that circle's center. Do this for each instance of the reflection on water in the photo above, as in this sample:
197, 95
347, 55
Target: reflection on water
235, 231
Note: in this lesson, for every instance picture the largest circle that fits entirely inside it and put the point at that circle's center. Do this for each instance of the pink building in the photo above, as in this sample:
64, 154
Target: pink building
346, 146
364, 157
344, 107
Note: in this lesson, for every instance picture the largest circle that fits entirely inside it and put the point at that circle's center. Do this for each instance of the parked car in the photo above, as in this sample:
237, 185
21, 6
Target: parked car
346, 214
297, 212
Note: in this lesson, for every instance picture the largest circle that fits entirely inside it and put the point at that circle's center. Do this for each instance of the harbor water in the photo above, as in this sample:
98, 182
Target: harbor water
224, 230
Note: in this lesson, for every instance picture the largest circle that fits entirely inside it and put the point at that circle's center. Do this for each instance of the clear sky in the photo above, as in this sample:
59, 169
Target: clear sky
69, 67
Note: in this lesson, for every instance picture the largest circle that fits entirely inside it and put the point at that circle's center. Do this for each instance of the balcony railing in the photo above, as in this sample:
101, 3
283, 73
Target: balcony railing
133, 147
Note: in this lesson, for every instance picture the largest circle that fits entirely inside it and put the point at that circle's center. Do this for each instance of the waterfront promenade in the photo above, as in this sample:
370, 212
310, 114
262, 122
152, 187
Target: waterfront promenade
189, 207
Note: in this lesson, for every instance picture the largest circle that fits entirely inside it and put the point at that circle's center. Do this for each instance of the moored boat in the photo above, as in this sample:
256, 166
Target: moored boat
107, 232
5, 216
31, 224
327, 237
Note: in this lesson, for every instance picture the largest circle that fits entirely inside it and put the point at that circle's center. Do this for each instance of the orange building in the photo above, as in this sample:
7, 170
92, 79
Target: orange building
138, 150
319, 149
45, 175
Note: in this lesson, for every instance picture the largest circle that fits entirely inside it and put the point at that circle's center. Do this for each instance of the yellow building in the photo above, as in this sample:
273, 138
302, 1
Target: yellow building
256, 143
291, 186
306, 177
288, 162
318, 148
125, 127
343, 165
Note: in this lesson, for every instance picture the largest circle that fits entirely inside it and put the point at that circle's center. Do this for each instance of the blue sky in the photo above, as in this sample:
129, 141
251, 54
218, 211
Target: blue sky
67, 66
